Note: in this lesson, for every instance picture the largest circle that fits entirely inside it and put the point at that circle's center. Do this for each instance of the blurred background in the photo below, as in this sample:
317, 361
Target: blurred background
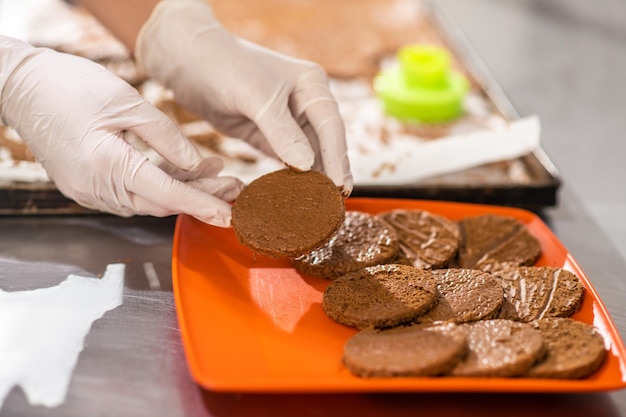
564, 60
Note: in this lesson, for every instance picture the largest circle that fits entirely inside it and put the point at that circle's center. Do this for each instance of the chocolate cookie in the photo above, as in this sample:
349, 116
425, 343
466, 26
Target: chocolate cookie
426, 240
465, 295
532, 293
362, 240
492, 242
285, 214
499, 348
380, 296
573, 349
405, 351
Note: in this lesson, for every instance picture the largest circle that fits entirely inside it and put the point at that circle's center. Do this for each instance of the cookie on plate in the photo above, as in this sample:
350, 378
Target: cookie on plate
362, 240
426, 240
380, 296
492, 242
499, 348
573, 349
405, 351
533, 292
285, 214
465, 295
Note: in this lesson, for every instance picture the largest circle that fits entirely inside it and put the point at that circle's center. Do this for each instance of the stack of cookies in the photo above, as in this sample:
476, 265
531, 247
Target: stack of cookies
430, 296
436, 297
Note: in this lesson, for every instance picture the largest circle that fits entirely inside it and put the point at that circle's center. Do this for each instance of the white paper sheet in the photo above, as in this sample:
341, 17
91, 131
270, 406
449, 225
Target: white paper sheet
42, 332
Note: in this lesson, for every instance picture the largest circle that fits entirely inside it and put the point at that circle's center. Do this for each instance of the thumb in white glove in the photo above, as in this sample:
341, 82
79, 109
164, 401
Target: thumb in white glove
72, 114
281, 105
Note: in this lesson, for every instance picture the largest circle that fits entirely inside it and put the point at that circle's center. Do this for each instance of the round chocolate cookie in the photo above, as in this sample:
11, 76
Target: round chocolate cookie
465, 295
405, 351
380, 296
426, 240
532, 293
499, 348
491, 242
285, 214
573, 349
362, 240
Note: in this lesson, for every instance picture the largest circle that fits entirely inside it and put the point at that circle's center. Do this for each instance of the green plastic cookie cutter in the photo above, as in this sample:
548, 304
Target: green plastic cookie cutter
422, 88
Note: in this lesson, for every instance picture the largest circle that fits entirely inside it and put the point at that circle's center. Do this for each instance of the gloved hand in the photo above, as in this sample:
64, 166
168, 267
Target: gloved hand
281, 105
72, 114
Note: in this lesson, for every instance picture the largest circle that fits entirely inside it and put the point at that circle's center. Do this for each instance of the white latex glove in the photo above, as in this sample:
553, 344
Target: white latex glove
281, 105
72, 114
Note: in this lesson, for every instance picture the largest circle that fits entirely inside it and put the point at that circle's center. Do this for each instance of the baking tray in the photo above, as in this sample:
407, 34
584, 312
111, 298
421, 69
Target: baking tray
254, 324
493, 183
490, 183
36, 198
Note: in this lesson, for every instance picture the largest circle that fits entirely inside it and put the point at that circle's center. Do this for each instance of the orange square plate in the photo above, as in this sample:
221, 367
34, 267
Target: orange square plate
253, 324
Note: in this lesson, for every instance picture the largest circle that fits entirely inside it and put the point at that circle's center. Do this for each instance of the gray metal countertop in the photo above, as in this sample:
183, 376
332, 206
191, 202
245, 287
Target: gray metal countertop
133, 362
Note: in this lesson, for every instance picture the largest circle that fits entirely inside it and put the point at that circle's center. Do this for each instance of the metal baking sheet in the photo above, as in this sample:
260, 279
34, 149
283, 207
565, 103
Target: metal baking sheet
530, 181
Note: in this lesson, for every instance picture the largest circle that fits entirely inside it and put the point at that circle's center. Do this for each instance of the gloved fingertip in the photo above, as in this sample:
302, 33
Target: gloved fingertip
298, 156
232, 192
223, 222
338, 170
207, 166
348, 184
220, 217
